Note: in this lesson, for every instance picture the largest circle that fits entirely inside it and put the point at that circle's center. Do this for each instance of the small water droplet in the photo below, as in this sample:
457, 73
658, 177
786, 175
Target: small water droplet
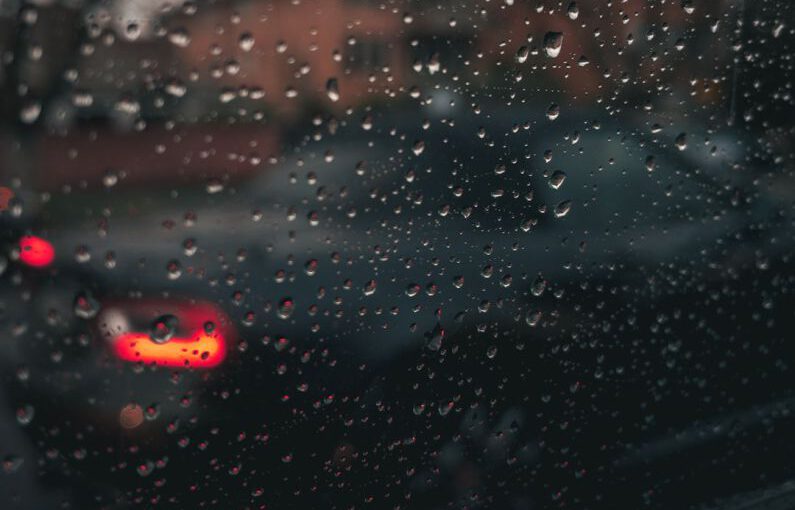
650, 163
553, 42
332, 89
573, 11
553, 112
286, 307
25, 414
30, 112
246, 41
557, 179
539, 286
85, 306
214, 186
179, 37
522, 54
681, 141
562, 209
174, 269
435, 338
12, 463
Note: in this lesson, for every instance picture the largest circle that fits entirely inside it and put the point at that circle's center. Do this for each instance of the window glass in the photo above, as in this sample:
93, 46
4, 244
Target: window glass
355, 254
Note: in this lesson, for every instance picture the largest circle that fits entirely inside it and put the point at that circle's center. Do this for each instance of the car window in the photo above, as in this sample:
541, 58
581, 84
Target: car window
399, 254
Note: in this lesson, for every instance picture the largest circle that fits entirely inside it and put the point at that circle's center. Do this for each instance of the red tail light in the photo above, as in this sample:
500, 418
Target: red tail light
35, 251
200, 340
199, 351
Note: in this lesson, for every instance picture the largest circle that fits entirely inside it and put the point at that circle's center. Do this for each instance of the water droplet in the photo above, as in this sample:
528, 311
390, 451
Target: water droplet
522, 54
12, 463
533, 318
434, 65
556, 179
539, 286
163, 328
553, 42
85, 306
367, 123
444, 408
145, 469
214, 186
30, 112
179, 37
310, 268
332, 89
189, 247
176, 88
573, 10
25, 414
82, 99
127, 105
174, 269
246, 41
132, 31
553, 112
681, 141
82, 254
650, 163
562, 209
286, 307
435, 337
131, 416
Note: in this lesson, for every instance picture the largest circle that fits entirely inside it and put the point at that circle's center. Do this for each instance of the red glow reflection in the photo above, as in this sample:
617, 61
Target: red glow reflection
199, 351
6, 194
199, 342
35, 251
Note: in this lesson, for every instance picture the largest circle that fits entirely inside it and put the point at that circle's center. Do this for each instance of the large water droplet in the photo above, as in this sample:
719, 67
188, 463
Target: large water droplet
163, 328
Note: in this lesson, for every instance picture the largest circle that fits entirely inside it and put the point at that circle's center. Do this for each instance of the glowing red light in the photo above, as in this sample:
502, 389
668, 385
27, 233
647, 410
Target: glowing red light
201, 335
199, 351
35, 251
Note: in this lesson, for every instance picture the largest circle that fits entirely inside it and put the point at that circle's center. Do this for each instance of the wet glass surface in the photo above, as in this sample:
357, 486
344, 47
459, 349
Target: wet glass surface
349, 254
